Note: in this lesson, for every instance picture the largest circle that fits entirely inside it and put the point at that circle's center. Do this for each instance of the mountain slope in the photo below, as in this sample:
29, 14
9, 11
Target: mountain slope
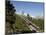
20, 24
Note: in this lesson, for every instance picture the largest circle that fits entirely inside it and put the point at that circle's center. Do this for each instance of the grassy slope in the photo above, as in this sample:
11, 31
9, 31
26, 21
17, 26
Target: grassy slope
39, 23
20, 24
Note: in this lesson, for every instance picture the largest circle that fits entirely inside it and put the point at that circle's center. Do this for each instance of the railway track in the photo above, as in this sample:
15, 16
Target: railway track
30, 25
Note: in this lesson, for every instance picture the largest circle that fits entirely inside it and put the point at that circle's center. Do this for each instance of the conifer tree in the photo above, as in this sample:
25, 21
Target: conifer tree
10, 15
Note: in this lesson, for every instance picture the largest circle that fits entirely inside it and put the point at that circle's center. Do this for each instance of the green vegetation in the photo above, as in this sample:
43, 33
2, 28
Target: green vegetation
20, 24
28, 17
10, 17
14, 22
39, 23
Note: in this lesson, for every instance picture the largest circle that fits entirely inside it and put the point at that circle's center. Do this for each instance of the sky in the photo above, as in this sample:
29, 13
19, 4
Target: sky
31, 8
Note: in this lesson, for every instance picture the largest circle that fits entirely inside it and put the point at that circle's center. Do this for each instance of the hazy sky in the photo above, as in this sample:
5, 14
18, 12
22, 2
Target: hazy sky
33, 8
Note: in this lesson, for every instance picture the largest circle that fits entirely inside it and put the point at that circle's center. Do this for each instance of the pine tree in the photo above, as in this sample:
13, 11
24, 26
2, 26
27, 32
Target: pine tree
10, 15
29, 18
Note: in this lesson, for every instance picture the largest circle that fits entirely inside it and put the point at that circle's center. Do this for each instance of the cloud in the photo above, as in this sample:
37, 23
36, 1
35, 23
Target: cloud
25, 14
20, 12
